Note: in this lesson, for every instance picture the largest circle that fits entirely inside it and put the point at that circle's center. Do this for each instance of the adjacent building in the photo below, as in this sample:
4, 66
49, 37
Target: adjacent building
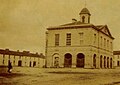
116, 59
79, 44
21, 59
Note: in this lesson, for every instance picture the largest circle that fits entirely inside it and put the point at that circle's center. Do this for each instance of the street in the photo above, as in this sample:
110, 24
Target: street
60, 76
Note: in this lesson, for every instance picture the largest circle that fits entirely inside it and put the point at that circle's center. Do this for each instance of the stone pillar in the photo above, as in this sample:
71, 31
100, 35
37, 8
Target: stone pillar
61, 61
74, 61
49, 61
88, 61
97, 61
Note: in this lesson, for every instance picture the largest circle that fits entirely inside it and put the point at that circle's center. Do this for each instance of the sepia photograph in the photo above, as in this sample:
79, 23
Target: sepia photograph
59, 42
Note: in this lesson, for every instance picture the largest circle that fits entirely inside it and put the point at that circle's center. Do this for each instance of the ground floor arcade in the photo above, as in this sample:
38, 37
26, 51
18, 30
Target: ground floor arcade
80, 60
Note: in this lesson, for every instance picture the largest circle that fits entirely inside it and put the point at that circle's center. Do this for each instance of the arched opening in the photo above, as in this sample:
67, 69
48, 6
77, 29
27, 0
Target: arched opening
110, 62
56, 60
19, 63
104, 61
107, 62
94, 61
68, 60
80, 60
83, 19
101, 61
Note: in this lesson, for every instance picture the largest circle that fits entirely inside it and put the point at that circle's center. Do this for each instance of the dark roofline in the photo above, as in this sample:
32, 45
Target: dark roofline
78, 27
70, 26
17, 53
116, 52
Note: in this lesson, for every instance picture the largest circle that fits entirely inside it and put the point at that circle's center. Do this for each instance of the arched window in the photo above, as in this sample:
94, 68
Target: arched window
101, 61
56, 60
104, 61
110, 62
80, 60
83, 19
94, 60
107, 62
68, 60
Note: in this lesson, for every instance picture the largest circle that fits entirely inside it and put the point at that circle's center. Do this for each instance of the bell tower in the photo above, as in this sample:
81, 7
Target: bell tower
85, 15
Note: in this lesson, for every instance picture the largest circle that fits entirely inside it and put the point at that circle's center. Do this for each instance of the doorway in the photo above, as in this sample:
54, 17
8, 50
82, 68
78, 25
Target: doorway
80, 60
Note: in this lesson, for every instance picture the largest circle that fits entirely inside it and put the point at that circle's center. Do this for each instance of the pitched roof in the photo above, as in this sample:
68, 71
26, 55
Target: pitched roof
102, 28
17, 53
73, 23
85, 11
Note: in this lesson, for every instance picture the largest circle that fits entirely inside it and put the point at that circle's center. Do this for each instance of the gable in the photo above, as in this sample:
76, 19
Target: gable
104, 29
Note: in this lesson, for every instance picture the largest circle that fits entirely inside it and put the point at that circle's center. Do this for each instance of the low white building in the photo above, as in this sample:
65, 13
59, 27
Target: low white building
22, 59
79, 44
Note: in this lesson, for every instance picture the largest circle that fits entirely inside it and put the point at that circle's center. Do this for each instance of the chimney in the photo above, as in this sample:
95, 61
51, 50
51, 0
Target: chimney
74, 20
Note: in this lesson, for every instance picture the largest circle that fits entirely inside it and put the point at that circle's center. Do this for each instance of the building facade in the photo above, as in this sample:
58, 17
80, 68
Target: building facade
116, 59
79, 44
21, 59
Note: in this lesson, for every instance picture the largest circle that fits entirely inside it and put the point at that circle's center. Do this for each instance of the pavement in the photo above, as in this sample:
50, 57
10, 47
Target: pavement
60, 76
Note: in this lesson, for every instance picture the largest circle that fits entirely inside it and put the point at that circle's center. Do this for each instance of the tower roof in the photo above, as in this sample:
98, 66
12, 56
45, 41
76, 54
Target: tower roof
85, 11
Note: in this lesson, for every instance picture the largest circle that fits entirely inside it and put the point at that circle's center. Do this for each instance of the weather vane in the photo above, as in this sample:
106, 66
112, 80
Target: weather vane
85, 3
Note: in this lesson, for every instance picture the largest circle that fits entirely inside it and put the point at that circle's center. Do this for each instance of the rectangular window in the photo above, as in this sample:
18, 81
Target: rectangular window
3, 61
68, 39
81, 42
81, 38
94, 38
111, 45
81, 35
56, 39
101, 41
104, 42
108, 43
118, 63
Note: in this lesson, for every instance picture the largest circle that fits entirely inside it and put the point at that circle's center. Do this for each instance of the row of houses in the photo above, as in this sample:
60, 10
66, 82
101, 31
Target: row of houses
22, 59
27, 59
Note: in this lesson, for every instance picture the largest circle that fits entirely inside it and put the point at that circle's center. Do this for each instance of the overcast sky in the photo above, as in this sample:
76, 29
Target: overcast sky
23, 22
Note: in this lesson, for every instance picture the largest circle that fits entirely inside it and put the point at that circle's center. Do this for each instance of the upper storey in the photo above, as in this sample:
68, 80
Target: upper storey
83, 23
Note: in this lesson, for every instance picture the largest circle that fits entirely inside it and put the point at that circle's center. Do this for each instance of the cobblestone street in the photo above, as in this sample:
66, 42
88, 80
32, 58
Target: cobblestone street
61, 76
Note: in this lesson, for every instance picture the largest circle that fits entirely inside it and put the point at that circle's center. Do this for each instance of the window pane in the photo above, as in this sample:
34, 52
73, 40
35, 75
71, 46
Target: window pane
68, 39
56, 39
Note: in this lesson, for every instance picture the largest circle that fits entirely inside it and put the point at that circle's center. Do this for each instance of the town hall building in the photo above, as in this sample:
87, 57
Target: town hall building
79, 44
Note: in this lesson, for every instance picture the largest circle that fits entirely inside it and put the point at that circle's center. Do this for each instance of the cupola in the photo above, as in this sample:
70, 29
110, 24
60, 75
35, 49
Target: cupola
85, 15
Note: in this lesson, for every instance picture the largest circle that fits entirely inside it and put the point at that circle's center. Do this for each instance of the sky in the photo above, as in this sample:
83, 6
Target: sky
23, 22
